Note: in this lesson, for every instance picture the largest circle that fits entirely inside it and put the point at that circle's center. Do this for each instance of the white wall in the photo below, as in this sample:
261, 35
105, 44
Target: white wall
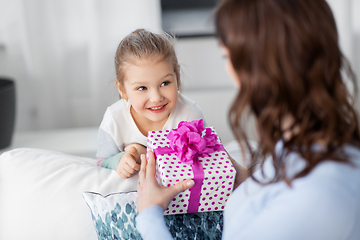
61, 53
347, 18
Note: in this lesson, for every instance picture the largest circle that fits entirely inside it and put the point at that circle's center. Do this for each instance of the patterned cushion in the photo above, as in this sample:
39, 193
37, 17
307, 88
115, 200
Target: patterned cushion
114, 218
202, 225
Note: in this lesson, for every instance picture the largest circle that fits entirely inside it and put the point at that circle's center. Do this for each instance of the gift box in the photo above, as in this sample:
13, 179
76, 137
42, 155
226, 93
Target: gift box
193, 152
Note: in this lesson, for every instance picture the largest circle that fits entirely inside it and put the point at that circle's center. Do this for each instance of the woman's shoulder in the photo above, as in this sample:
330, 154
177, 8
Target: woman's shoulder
330, 181
331, 186
331, 177
339, 171
327, 197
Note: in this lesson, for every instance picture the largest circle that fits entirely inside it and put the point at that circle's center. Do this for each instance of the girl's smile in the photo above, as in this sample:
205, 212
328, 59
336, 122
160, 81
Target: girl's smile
157, 109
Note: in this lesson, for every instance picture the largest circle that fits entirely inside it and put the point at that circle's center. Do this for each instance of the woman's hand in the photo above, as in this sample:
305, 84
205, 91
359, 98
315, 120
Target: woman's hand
150, 192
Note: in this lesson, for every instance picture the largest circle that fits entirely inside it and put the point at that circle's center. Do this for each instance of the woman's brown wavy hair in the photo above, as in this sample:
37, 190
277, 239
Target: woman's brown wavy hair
288, 61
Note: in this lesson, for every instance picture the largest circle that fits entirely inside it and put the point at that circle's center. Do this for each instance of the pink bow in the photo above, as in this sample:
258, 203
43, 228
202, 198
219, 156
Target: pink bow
191, 140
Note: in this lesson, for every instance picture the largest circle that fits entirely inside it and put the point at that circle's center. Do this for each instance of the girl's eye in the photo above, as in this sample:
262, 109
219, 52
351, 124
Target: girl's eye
142, 88
165, 83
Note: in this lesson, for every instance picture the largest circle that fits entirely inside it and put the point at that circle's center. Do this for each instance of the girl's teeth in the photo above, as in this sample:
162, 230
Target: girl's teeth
157, 108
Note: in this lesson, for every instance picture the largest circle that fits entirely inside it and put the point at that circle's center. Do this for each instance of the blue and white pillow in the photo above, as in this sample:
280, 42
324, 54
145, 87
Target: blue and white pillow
113, 215
114, 218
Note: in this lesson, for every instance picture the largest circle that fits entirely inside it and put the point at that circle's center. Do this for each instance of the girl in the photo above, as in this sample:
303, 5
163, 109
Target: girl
148, 81
284, 57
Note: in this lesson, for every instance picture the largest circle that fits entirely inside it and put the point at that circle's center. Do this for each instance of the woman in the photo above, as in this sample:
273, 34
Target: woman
285, 59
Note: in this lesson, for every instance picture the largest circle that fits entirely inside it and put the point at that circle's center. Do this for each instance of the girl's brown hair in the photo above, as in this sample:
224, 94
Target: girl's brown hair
144, 45
288, 61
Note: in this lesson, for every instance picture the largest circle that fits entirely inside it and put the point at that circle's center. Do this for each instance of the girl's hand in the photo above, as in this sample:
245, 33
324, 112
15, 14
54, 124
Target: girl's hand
150, 192
140, 148
129, 163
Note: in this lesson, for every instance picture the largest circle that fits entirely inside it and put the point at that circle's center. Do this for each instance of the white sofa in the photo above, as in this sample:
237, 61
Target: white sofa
41, 193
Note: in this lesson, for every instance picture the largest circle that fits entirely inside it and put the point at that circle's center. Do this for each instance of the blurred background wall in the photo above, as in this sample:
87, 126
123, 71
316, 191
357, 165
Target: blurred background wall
60, 53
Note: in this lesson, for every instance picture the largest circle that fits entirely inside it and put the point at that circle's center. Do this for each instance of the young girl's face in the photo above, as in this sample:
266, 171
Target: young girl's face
151, 87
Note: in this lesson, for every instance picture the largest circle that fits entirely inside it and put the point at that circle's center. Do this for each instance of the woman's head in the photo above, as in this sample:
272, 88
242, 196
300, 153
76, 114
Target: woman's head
286, 57
142, 45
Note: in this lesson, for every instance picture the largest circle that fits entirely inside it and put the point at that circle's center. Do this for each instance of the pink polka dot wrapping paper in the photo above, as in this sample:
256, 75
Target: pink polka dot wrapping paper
217, 181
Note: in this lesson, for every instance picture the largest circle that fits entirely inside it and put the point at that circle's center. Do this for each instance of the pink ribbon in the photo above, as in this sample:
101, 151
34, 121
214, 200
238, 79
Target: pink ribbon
190, 141
194, 199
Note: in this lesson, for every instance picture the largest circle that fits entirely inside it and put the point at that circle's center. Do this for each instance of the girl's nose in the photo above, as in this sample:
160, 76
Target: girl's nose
156, 96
